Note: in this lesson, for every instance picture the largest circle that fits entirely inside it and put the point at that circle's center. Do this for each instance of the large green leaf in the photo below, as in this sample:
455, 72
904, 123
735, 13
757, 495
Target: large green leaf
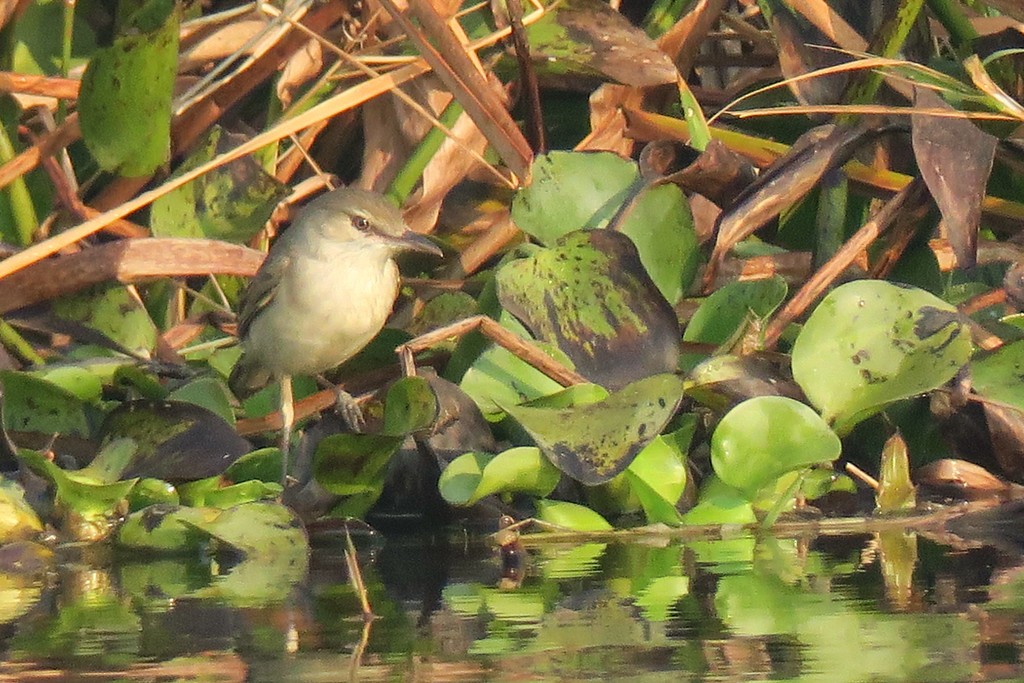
113, 311
590, 296
571, 516
472, 476
125, 102
869, 343
594, 442
761, 439
723, 314
232, 202
32, 404
1000, 375
350, 464
658, 220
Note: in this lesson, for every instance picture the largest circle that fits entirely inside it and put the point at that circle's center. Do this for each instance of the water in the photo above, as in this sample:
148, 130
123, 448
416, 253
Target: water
867, 607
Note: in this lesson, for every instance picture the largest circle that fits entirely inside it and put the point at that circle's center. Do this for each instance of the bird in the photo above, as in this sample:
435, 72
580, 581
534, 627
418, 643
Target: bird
323, 292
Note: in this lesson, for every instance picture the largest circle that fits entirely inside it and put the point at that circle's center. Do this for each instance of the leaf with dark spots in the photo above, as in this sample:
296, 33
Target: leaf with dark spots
869, 343
176, 441
594, 442
590, 296
955, 158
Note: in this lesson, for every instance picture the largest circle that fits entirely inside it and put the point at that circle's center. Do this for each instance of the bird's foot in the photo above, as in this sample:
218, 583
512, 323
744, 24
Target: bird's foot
347, 406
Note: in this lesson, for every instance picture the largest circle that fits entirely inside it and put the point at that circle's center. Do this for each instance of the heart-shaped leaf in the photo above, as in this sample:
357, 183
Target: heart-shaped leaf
594, 442
761, 439
590, 296
472, 476
869, 343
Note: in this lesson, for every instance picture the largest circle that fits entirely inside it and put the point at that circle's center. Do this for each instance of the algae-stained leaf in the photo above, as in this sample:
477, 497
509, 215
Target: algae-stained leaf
588, 38
722, 382
125, 101
722, 315
233, 202
176, 441
593, 443
410, 406
114, 312
955, 158
32, 404
472, 476
658, 220
589, 295
571, 516
762, 439
349, 464
869, 343
1000, 375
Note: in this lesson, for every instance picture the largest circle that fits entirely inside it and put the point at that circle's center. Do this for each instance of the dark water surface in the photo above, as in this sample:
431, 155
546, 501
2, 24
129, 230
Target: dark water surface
889, 607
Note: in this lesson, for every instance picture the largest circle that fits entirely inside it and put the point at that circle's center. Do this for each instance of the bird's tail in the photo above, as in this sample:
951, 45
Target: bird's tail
247, 377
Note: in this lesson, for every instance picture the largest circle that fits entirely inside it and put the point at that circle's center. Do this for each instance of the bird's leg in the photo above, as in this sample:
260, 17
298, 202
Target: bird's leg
345, 405
287, 407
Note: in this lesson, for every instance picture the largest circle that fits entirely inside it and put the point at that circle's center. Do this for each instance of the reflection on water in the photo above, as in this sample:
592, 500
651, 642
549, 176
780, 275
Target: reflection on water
881, 607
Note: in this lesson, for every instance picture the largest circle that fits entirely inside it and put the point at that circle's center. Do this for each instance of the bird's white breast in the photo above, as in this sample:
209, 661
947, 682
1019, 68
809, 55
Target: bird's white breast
327, 307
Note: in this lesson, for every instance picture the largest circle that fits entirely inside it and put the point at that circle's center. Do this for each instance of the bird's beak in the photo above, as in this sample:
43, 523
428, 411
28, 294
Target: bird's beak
411, 241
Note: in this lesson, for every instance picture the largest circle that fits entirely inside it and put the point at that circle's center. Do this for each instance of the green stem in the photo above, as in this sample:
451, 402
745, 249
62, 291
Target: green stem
22, 209
10, 339
410, 174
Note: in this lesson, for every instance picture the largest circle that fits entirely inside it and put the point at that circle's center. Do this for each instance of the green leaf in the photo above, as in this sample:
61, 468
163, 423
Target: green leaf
869, 343
723, 314
125, 101
18, 521
410, 406
261, 529
1000, 375
165, 529
658, 476
232, 202
658, 220
589, 295
761, 439
114, 312
32, 404
895, 490
473, 476
347, 464
593, 443
209, 393
719, 503
571, 516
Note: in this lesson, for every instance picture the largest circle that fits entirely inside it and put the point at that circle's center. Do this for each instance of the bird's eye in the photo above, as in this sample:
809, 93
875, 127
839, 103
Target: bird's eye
361, 223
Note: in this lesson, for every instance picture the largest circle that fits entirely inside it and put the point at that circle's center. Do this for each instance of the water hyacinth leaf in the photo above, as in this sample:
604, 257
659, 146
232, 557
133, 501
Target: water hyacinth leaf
125, 102
209, 393
869, 343
36, 405
149, 491
473, 476
82, 382
590, 296
115, 313
263, 464
722, 382
658, 474
176, 441
349, 464
410, 406
81, 495
261, 529
582, 38
111, 462
1000, 375
723, 314
224, 497
657, 220
571, 516
233, 202
165, 529
762, 439
595, 442
497, 377
576, 395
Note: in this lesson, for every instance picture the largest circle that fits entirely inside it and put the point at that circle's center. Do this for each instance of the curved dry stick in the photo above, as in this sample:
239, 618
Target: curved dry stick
517, 346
